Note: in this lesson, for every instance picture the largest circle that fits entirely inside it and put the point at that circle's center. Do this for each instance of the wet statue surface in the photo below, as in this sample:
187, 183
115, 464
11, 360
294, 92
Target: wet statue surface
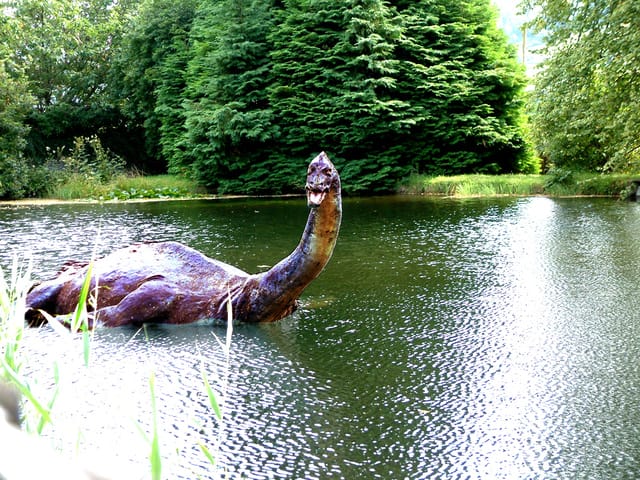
169, 282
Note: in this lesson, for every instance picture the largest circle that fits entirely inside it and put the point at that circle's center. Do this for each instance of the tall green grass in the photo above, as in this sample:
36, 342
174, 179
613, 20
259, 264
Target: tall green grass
38, 403
125, 187
13, 294
474, 185
556, 183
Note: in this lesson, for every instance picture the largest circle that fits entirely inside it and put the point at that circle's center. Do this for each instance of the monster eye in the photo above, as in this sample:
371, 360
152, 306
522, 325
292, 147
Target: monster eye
327, 171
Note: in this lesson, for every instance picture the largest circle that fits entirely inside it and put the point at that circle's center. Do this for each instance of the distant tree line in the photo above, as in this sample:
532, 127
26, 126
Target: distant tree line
241, 93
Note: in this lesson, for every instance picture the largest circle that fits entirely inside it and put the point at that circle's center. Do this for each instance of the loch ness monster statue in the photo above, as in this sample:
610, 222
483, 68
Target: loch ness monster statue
167, 282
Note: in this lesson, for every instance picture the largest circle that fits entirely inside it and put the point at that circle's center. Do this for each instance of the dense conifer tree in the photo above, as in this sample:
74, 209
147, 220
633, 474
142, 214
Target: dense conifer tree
307, 77
149, 74
376, 117
334, 73
465, 87
228, 116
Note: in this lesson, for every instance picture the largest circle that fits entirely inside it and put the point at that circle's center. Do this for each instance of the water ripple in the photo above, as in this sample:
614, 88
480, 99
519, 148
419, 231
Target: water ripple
453, 339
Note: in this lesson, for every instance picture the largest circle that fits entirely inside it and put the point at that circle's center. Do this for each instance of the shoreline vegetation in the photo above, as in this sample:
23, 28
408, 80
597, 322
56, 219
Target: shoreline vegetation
558, 183
142, 92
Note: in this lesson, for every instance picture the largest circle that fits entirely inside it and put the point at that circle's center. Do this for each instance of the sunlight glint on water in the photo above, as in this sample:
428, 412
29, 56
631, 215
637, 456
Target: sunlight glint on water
446, 339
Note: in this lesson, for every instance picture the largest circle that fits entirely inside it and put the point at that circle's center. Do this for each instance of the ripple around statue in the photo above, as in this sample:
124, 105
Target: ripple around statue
167, 282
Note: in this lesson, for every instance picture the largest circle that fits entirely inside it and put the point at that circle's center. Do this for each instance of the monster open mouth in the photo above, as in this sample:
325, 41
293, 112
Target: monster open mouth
315, 197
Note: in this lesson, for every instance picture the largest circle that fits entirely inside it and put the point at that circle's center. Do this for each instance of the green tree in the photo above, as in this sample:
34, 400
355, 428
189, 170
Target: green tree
148, 78
429, 86
308, 77
64, 47
465, 86
333, 90
229, 121
584, 103
15, 105
373, 117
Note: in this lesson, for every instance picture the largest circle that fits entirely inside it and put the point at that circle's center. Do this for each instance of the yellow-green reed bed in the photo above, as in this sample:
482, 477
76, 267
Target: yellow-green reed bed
555, 183
474, 185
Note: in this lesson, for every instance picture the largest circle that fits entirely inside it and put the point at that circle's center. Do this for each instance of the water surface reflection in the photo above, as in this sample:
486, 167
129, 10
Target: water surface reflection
446, 339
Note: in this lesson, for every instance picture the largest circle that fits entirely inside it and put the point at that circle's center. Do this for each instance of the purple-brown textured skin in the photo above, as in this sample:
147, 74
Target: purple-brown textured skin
171, 283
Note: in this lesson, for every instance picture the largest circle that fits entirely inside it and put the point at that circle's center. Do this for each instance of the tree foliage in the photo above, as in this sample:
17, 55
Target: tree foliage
241, 93
383, 92
15, 105
65, 48
229, 126
585, 113
466, 87
334, 81
148, 75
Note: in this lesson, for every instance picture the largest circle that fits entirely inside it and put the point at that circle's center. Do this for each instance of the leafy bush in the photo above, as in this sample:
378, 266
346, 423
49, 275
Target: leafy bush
84, 172
91, 160
558, 177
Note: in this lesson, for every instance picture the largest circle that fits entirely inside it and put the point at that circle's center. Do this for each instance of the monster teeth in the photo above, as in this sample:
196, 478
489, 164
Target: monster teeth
316, 197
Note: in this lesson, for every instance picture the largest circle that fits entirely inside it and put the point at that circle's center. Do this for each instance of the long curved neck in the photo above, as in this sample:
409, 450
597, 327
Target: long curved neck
285, 281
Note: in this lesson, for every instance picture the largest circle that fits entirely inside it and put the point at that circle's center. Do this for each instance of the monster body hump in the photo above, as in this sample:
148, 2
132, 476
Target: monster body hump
167, 282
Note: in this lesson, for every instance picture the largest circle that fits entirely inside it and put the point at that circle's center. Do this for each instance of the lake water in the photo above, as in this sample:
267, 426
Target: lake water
446, 339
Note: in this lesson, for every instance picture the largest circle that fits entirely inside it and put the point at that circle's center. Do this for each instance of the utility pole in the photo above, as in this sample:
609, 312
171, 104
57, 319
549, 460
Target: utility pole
524, 44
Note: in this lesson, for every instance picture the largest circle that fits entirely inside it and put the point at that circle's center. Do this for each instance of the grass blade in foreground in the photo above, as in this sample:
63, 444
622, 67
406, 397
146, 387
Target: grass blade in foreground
12, 307
212, 456
154, 456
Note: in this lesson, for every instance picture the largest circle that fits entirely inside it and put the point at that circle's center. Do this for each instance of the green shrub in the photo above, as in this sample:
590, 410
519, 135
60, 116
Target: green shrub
558, 177
92, 161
